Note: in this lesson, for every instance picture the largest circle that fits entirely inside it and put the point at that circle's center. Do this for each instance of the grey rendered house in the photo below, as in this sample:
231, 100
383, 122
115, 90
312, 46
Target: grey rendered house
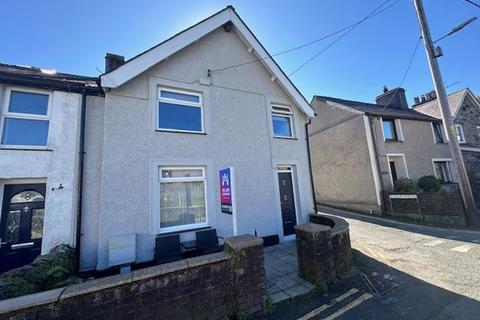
40, 130
172, 118
360, 149
465, 109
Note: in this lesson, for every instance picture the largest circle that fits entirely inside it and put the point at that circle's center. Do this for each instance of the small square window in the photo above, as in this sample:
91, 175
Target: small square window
26, 119
179, 111
460, 134
282, 122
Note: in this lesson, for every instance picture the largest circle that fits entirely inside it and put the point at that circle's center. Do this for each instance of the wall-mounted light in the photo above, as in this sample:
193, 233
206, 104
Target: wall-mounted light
60, 187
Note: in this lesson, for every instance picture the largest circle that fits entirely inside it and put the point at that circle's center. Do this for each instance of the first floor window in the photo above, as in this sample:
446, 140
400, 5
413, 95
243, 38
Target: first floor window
389, 130
179, 111
460, 134
182, 197
478, 131
442, 171
25, 121
437, 130
282, 122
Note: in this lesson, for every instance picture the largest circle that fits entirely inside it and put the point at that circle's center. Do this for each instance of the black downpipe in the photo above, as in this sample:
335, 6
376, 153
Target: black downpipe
78, 234
310, 165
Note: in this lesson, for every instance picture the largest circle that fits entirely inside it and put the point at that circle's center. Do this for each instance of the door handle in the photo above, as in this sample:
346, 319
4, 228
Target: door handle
22, 245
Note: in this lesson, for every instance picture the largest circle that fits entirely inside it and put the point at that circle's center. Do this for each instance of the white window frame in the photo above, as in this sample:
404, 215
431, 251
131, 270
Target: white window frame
203, 179
441, 132
179, 102
462, 136
286, 113
449, 167
25, 116
478, 131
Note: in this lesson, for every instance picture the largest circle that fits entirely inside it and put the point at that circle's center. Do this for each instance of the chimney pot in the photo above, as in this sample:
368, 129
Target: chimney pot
416, 100
385, 89
423, 98
113, 61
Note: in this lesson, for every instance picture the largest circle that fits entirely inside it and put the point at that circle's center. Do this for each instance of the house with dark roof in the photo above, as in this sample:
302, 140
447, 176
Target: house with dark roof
465, 109
203, 131
41, 131
360, 149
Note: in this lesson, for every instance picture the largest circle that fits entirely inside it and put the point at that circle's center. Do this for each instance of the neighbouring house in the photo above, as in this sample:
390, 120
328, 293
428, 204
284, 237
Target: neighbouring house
465, 109
40, 144
360, 149
205, 112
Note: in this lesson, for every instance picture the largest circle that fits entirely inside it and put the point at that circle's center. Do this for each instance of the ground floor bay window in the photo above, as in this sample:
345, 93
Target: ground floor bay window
182, 198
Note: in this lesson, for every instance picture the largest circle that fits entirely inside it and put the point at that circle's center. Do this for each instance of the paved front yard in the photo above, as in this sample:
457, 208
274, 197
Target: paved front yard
281, 266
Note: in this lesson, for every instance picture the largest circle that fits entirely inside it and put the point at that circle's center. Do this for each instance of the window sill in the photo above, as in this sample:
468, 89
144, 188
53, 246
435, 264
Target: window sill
180, 131
393, 140
24, 148
166, 233
285, 138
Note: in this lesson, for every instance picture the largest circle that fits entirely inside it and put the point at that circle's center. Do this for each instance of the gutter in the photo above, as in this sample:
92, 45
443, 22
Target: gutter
377, 160
78, 233
310, 165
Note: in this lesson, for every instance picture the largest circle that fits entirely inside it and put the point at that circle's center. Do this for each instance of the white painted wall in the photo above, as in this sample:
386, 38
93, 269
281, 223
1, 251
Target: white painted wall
55, 164
238, 134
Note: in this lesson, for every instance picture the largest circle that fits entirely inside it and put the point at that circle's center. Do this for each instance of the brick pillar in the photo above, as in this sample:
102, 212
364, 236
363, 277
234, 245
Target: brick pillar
316, 260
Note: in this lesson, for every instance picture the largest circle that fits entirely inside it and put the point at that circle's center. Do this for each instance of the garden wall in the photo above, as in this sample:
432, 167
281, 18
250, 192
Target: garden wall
323, 248
438, 208
212, 286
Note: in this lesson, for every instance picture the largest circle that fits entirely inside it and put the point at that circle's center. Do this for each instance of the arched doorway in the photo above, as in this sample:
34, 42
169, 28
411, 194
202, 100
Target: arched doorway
21, 224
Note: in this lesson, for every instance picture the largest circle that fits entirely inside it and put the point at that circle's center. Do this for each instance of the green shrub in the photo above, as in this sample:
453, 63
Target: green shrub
429, 183
404, 185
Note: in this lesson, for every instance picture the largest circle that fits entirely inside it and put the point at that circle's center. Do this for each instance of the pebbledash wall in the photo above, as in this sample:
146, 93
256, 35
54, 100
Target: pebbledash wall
238, 126
55, 164
213, 286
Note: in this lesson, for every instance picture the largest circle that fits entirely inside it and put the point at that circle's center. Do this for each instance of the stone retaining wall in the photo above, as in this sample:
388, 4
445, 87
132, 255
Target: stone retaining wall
439, 208
323, 248
212, 286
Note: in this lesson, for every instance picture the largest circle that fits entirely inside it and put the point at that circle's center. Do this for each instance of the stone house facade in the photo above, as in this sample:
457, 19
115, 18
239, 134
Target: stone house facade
465, 109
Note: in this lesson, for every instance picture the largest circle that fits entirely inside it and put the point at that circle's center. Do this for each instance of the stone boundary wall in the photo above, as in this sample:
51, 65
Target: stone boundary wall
438, 208
323, 248
213, 286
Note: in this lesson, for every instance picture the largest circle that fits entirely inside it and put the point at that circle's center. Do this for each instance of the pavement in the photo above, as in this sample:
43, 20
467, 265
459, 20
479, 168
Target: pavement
402, 271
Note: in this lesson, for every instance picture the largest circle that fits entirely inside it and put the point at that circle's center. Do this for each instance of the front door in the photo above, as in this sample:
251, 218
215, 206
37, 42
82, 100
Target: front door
21, 224
393, 170
287, 202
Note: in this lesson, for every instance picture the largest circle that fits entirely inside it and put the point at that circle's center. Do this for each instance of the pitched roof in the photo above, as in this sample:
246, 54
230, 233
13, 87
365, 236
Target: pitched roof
45, 78
154, 55
376, 110
455, 101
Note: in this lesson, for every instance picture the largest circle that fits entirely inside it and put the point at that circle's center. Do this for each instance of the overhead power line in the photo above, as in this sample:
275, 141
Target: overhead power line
473, 3
378, 10
346, 28
410, 62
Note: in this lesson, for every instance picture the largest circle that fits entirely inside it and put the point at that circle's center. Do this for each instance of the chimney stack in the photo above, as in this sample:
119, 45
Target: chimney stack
113, 61
396, 97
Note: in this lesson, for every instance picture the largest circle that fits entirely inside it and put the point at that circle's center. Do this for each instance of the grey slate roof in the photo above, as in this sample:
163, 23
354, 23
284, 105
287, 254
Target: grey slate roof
42, 78
377, 110
432, 109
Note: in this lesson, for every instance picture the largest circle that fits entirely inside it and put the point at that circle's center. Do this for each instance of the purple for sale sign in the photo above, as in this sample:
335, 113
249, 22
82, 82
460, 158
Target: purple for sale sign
226, 191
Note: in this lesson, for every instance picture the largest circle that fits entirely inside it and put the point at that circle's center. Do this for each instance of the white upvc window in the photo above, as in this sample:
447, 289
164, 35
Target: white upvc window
459, 133
179, 111
282, 121
25, 118
437, 129
183, 198
478, 131
442, 168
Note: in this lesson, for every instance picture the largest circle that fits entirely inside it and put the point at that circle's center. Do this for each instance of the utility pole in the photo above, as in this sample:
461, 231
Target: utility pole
454, 146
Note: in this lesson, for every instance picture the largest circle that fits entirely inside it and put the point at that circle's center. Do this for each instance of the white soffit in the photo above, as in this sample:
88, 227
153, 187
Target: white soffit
149, 58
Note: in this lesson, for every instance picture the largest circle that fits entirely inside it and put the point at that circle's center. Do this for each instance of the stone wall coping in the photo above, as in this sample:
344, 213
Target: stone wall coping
312, 228
46, 297
340, 225
243, 242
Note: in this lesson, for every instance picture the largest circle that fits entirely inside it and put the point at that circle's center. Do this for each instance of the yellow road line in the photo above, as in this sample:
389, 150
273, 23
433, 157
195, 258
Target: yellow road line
355, 303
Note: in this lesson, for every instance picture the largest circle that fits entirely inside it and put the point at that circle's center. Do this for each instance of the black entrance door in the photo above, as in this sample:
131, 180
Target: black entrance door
21, 224
287, 202
393, 170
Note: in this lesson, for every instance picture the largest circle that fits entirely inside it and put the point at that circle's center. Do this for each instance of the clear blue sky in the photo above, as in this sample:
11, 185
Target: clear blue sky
73, 37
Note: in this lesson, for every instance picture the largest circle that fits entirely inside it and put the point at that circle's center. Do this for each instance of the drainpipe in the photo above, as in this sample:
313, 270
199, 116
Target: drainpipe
80, 178
310, 165
377, 160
